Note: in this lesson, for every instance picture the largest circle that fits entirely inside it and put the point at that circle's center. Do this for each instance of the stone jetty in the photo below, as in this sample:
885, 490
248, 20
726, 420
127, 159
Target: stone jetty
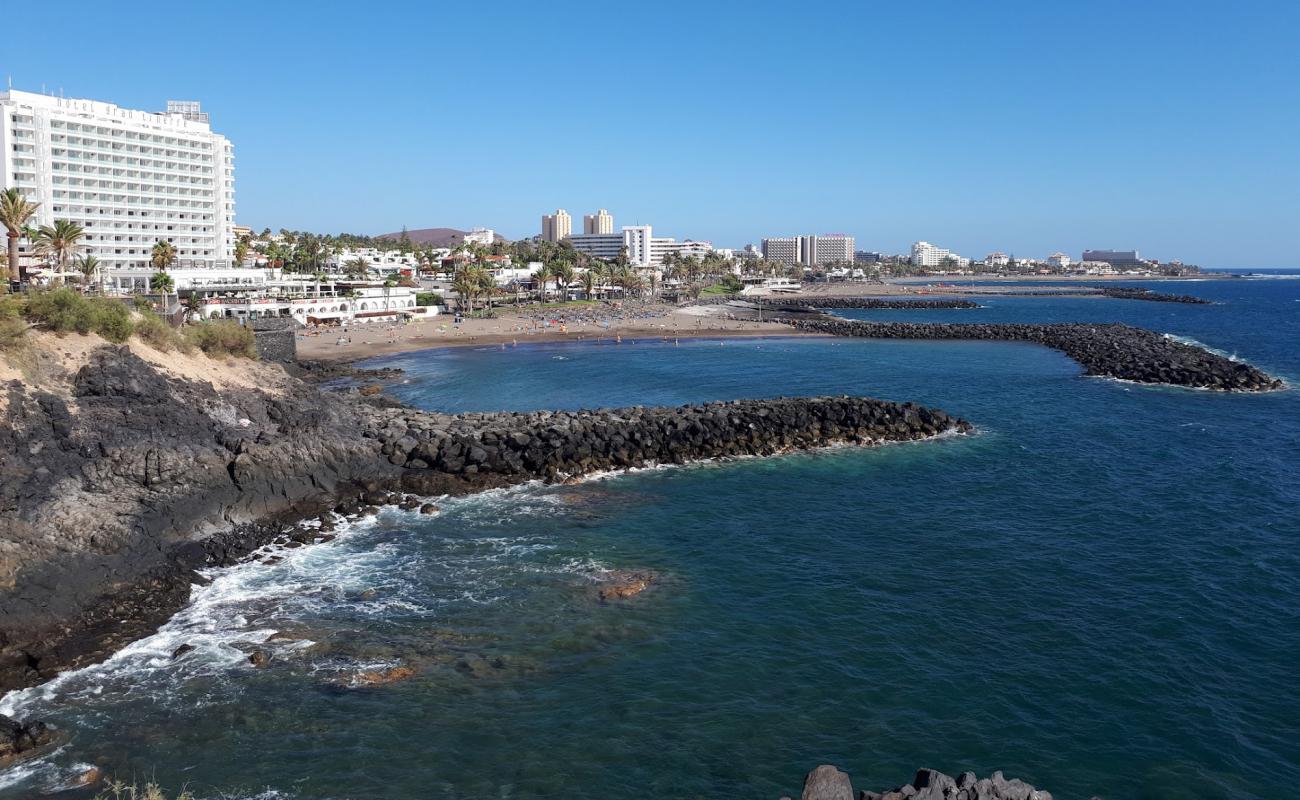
122, 482
1110, 350
1131, 293
829, 783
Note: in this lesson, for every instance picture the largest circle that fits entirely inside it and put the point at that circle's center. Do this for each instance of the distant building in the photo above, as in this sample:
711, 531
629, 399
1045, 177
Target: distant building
634, 241
129, 178
1059, 260
783, 250
556, 227
1116, 258
483, 236
809, 250
867, 257
600, 222
997, 259
925, 254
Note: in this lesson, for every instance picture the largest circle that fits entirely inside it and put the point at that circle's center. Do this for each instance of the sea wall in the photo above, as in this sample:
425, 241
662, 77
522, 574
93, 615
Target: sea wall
829, 783
118, 489
1111, 350
867, 302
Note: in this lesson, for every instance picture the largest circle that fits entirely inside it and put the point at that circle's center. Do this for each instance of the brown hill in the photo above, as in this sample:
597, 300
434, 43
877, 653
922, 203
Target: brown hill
438, 237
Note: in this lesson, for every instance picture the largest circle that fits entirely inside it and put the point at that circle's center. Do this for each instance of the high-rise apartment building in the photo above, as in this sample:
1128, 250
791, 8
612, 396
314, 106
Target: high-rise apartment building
129, 178
556, 227
925, 254
634, 241
809, 250
600, 222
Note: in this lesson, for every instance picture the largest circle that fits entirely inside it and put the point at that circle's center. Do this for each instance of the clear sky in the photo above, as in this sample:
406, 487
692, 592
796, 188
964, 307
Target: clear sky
1026, 127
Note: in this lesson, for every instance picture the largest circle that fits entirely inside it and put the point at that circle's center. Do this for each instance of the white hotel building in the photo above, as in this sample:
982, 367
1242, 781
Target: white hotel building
129, 178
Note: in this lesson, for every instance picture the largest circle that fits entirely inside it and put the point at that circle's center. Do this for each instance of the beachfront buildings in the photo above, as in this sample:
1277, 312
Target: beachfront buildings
1059, 260
556, 227
633, 242
129, 178
1120, 259
601, 222
809, 250
925, 254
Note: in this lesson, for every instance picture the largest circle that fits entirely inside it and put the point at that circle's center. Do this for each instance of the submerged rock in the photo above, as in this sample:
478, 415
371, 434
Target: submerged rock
622, 584
379, 677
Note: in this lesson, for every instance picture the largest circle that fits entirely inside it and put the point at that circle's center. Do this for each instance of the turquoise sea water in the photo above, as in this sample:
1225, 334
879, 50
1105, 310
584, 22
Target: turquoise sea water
1099, 592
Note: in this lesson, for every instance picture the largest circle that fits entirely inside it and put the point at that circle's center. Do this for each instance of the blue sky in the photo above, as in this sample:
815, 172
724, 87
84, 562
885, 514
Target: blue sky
1027, 127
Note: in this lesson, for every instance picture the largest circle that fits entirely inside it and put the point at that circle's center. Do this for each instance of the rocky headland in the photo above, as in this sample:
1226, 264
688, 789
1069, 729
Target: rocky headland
829, 783
121, 478
1110, 350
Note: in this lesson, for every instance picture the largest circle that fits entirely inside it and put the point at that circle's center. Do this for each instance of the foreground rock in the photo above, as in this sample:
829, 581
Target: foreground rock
829, 783
17, 738
120, 484
1111, 350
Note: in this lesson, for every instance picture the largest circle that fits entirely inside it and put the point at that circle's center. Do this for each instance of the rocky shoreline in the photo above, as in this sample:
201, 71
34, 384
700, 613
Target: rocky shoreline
829, 783
119, 489
1111, 350
867, 303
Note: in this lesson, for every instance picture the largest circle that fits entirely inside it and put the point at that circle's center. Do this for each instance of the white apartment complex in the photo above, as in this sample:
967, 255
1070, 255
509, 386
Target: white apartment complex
925, 254
128, 178
635, 240
556, 227
600, 222
483, 236
809, 250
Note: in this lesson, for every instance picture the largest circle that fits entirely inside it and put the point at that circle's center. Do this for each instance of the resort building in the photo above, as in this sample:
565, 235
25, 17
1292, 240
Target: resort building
997, 259
600, 222
1119, 259
925, 254
556, 227
809, 250
129, 178
634, 241
1059, 260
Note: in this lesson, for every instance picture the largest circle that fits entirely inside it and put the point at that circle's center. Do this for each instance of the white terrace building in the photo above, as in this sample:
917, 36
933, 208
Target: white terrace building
129, 178
315, 303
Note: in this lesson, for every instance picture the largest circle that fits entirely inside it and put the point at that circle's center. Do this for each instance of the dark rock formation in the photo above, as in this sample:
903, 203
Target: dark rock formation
1133, 293
113, 493
1112, 350
829, 783
17, 738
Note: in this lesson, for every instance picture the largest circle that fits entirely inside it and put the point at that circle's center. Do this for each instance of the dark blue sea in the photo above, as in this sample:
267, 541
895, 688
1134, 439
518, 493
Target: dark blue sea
1099, 592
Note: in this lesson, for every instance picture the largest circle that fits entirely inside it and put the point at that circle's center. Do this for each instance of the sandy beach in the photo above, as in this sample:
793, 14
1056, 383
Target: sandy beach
513, 327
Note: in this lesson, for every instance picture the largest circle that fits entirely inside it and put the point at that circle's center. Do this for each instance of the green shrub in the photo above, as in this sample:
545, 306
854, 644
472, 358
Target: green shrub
428, 299
154, 331
222, 338
111, 320
12, 333
64, 310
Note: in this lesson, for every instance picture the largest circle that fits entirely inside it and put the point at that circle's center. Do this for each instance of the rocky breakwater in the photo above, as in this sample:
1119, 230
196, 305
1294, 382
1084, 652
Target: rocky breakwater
829, 783
440, 453
867, 303
1110, 350
1130, 293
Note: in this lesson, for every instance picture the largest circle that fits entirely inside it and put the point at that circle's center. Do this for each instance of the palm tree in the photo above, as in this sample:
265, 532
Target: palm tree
162, 256
356, 268
541, 277
590, 280
88, 266
15, 211
564, 275
467, 287
60, 241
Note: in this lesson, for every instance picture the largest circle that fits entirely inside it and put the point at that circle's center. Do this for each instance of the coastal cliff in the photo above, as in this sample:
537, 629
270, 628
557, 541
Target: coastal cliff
122, 478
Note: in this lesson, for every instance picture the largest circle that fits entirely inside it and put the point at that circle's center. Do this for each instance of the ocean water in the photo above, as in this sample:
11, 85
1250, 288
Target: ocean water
1098, 592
